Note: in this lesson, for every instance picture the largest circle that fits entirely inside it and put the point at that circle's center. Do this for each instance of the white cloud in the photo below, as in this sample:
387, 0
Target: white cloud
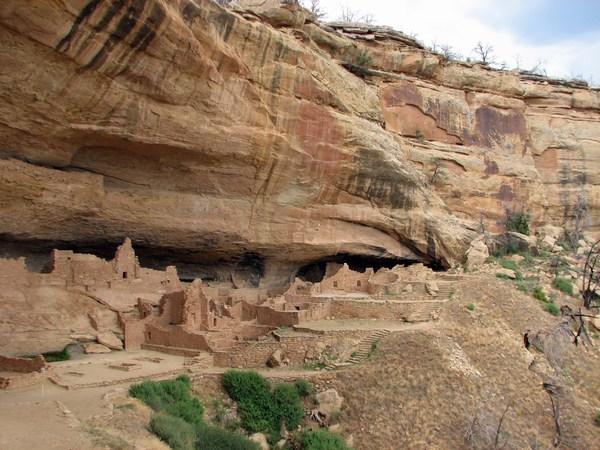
462, 23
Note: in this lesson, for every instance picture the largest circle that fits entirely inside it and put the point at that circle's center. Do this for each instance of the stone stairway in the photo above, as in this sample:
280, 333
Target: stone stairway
364, 349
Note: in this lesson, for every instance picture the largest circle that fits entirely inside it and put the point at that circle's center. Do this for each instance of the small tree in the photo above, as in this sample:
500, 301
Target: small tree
591, 277
314, 6
353, 16
484, 52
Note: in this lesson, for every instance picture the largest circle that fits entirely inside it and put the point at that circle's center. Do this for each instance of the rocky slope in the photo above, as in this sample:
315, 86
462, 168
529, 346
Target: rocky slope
223, 136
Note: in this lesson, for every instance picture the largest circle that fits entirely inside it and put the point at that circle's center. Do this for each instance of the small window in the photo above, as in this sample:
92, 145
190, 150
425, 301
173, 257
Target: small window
335, 284
124, 275
215, 322
358, 283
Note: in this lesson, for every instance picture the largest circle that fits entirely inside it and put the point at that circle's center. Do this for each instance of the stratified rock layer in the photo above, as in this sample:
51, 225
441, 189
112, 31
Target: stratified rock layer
225, 133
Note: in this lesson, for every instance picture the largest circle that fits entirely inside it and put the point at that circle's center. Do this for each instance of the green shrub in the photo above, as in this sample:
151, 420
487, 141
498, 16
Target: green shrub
517, 222
564, 285
597, 418
243, 386
539, 294
176, 432
304, 388
63, 355
510, 265
288, 405
172, 397
502, 276
259, 408
552, 309
214, 438
322, 440
363, 59
471, 307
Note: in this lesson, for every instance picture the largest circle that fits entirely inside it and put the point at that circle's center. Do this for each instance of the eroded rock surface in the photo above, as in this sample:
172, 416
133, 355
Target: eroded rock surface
220, 135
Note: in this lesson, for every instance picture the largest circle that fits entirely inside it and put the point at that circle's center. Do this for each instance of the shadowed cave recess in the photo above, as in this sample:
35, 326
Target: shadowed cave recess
249, 269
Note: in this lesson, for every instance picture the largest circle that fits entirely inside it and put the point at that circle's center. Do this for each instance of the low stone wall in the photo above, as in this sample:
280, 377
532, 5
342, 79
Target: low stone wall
23, 365
385, 310
175, 337
297, 349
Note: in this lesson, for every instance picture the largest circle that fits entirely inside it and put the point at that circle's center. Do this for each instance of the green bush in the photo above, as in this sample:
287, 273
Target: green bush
552, 309
63, 355
304, 388
510, 265
471, 307
260, 408
517, 222
288, 405
171, 397
322, 440
539, 294
597, 418
174, 431
214, 438
564, 285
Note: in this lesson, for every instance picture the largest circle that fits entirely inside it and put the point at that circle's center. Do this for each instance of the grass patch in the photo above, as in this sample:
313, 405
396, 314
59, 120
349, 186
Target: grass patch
510, 265
563, 285
552, 309
304, 388
471, 307
261, 408
174, 431
315, 365
213, 438
321, 440
373, 349
62, 355
539, 294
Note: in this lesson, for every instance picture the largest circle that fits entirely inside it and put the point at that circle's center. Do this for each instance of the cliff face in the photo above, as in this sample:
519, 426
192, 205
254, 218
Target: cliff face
222, 134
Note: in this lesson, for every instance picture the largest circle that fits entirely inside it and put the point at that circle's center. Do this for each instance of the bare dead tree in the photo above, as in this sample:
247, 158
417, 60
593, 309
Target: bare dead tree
484, 52
353, 16
554, 392
591, 277
485, 430
447, 52
314, 6
579, 214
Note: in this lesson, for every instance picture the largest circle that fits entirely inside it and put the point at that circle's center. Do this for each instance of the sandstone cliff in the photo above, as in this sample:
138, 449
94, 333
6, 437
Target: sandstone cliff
223, 135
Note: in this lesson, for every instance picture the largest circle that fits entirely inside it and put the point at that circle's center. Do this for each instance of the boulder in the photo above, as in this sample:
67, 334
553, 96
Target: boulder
110, 340
276, 359
548, 242
432, 288
477, 254
93, 348
551, 231
261, 440
329, 401
523, 242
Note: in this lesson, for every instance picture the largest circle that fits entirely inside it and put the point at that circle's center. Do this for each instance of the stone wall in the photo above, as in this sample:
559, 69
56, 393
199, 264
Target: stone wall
385, 309
175, 337
22, 365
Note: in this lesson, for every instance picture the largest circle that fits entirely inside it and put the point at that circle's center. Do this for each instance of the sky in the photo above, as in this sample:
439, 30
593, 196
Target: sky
561, 35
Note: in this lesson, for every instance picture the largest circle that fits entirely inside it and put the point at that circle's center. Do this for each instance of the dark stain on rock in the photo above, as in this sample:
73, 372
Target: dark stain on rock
224, 23
190, 11
406, 94
506, 193
380, 182
86, 12
492, 124
123, 29
491, 167
431, 244
114, 8
147, 32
